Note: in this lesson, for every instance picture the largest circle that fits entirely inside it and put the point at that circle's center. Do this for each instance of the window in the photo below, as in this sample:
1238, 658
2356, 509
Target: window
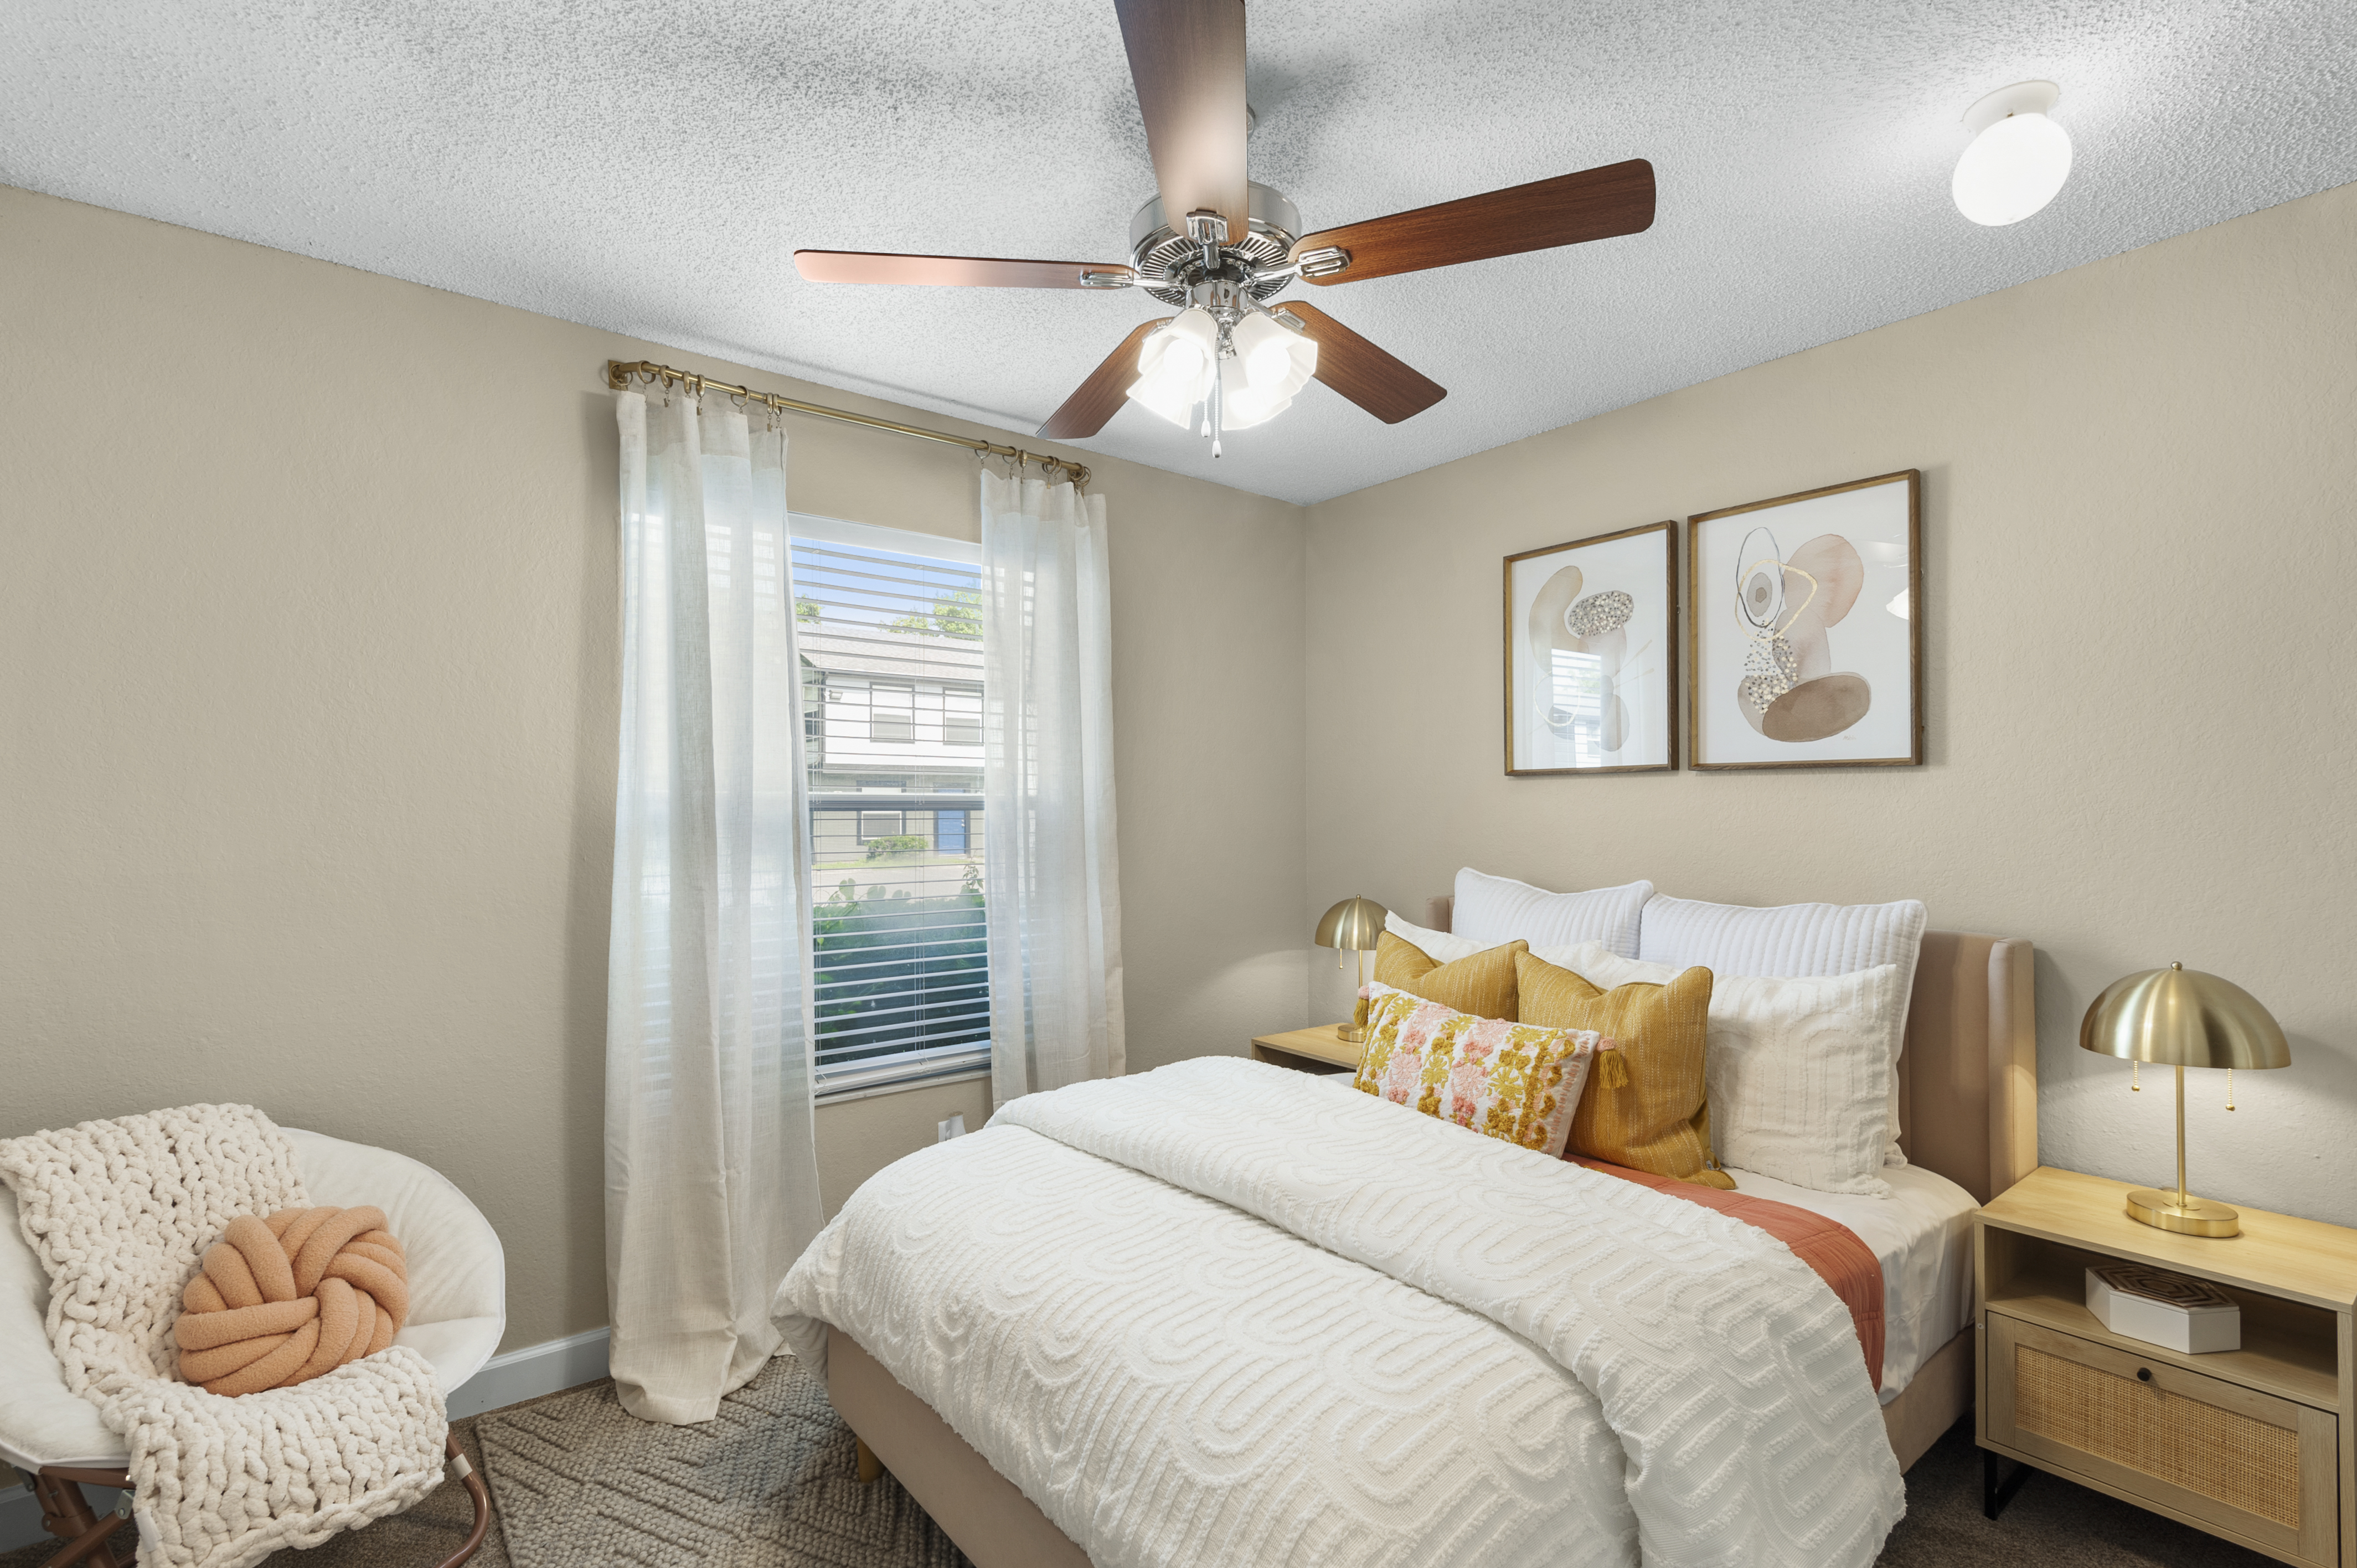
890, 630
891, 713
962, 718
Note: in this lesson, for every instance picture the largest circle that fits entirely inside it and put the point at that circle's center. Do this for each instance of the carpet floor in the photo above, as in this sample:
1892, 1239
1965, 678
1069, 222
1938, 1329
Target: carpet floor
772, 1482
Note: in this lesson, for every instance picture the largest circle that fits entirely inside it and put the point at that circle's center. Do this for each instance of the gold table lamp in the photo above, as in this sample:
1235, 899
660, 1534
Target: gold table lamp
2181, 1018
1355, 925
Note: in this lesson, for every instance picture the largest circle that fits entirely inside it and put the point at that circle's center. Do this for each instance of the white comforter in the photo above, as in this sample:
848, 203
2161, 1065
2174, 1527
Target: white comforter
1225, 1314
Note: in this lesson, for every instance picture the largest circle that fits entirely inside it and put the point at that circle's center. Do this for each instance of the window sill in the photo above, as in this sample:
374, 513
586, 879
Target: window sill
895, 1075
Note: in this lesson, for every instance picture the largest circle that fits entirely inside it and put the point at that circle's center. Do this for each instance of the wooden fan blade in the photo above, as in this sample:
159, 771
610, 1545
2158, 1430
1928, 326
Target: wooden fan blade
1595, 204
957, 272
1186, 58
1387, 388
1100, 397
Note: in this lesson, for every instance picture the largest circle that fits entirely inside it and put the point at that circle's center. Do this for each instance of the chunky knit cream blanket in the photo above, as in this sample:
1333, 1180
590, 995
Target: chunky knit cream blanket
120, 1212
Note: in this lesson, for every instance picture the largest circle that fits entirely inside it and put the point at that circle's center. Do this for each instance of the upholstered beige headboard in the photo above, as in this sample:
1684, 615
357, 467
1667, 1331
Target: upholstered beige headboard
1968, 1078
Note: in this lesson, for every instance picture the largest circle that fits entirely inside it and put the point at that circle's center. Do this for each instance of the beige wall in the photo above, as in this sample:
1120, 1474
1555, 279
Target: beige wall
2139, 482
307, 725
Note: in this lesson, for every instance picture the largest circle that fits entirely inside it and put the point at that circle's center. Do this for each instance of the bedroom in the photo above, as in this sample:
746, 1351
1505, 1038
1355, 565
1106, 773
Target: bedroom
315, 617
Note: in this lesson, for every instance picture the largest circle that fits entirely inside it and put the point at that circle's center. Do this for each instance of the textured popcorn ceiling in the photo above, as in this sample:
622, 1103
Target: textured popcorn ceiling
648, 167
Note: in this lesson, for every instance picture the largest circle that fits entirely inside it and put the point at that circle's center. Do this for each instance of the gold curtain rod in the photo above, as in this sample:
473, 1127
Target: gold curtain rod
621, 373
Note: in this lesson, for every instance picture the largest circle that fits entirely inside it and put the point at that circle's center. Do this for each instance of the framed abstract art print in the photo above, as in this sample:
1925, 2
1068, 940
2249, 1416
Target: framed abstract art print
1592, 654
1803, 631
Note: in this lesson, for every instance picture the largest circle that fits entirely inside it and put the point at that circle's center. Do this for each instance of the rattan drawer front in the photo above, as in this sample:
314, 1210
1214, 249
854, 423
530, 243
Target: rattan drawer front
2224, 1455
2220, 1454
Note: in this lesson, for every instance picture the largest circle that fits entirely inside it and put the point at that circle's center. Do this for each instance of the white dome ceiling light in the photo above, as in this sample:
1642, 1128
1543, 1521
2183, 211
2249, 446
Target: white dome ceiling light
2019, 159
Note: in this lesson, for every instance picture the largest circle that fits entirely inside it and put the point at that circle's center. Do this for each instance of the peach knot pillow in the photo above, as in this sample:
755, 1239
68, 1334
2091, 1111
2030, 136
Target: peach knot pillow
284, 1299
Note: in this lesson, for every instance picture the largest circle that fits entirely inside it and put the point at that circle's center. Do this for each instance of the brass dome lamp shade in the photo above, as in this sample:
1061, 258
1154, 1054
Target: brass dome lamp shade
1355, 925
2181, 1018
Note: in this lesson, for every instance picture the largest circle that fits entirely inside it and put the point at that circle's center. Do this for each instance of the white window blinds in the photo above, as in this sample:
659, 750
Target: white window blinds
892, 649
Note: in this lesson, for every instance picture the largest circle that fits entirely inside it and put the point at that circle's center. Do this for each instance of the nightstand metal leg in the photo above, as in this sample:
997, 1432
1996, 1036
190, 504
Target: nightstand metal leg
1995, 1494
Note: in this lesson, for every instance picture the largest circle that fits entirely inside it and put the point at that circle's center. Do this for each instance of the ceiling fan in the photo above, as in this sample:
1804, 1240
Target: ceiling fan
1229, 360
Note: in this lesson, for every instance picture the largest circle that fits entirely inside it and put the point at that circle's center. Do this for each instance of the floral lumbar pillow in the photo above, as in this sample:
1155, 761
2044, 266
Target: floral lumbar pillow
1509, 1081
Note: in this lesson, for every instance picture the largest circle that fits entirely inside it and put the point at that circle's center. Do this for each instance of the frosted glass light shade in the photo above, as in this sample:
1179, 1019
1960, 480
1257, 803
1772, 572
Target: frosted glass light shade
1270, 368
2012, 169
1242, 404
1175, 367
1272, 355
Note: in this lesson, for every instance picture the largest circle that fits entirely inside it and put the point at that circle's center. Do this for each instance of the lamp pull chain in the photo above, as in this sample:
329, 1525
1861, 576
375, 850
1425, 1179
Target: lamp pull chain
2230, 1089
2135, 1078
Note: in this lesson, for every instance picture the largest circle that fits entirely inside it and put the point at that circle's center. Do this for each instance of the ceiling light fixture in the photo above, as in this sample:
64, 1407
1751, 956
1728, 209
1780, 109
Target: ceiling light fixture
1221, 366
2019, 159
1217, 244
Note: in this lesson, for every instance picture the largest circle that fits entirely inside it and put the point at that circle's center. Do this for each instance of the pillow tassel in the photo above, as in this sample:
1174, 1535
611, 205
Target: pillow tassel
1610, 1068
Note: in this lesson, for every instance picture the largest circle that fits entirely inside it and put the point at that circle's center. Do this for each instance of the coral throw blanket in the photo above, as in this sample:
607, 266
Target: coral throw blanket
1831, 1248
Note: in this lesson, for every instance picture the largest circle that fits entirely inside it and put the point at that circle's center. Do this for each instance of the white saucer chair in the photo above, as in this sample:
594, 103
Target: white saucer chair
458, 1293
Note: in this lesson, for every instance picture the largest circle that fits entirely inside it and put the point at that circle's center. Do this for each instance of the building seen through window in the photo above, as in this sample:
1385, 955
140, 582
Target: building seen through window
891, 661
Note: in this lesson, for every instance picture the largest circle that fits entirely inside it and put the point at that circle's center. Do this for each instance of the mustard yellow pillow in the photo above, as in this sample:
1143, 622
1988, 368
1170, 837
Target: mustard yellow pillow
1482, 985
1502, 1079
1647, 1110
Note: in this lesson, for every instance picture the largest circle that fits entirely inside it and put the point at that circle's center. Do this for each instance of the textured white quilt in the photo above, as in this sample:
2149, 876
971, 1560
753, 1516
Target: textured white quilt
1222, 1313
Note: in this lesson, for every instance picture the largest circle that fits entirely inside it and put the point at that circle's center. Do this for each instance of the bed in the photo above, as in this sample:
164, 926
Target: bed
1968, 1096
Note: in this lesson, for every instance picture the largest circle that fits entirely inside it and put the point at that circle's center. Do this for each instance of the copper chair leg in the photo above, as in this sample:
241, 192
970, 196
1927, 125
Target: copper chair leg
474, 1485
64, 1510
90, 1544
66, 1513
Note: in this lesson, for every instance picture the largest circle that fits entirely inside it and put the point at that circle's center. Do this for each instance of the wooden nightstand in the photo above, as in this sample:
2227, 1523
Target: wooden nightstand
1308, 1050
2258, 1445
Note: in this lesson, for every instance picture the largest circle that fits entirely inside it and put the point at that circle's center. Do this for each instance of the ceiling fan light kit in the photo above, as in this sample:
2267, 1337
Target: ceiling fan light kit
2017, 160
1227, 361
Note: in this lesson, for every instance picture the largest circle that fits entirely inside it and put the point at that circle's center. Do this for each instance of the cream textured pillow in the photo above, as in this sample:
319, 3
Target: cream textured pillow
1492, 910
1793, 941
1444, 946
1796, 1069
1508, 1080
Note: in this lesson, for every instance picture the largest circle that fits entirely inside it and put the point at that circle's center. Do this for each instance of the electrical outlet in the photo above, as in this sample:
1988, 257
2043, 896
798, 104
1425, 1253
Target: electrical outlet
952, 1128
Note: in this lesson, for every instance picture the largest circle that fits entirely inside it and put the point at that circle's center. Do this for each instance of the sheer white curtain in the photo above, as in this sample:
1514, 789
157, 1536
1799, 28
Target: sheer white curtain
710, 1169
1052, 874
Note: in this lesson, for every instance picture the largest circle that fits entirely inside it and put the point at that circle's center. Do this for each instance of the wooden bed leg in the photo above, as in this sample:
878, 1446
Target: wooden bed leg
871, 1466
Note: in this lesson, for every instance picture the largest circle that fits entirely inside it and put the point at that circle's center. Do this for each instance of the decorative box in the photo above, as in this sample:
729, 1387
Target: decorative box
2174, 1311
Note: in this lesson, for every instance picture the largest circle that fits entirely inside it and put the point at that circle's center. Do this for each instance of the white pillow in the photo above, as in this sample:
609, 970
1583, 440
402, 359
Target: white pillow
1441, 947
1794, 941
1794, 1068
1491, 910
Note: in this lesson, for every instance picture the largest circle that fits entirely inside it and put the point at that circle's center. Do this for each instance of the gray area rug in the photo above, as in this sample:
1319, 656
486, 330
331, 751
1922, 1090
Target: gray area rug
773, 1481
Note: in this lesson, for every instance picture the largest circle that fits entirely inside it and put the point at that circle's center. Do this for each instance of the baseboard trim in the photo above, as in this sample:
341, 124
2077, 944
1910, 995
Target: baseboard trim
534, 1371
509, 1379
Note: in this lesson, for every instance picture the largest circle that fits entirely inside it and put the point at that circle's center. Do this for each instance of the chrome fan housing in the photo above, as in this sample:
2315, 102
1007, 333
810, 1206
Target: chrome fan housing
1158, 251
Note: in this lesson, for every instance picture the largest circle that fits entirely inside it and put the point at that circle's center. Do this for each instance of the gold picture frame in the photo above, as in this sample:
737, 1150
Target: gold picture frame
1591, 655
1775, 681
